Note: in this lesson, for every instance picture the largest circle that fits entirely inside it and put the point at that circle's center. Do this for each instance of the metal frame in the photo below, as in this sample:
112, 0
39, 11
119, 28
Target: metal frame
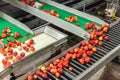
60, 23
16, 22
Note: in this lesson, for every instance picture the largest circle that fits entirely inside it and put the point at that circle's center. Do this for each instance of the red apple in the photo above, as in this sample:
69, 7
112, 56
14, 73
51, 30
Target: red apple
30, 77
82, 61
86, 48
87, 59
71, 51
38, 72
74, 56
22, 54
106, 38
53, 71
48, 68
60, 70
100, 43
44, 76
4, 61
31, 41
18, 34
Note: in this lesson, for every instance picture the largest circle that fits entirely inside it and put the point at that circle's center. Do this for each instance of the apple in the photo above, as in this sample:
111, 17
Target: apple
59, 65
65, 63
30, 77
1, 50
3, 35
106, 38
18, 43
84, 55
5, 45
35, 76
100, 43
105, 29
82, 61
44, 76
10, 50
76, 50
90, 47
15, 53
8, 30
87, 59
100, 38
94, 49
57, 74
10, 56
8, 64
89, 53
15, 36
22, 54
4, 61
48, 68
12, 34
19, 47
8, 39
23, 42
18, 57
42, 68
32, 48
70, 68
85, 48
96, 41
53, 71
57, 15
28, 44
13, 45
77, 24
4, 54
4, 31
60, 70
38, 72
83, 44
31, 41
74, 56
68, 56
71, 51
18, 34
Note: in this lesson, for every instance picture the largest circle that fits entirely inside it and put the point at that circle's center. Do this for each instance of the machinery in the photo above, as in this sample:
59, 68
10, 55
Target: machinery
56, 34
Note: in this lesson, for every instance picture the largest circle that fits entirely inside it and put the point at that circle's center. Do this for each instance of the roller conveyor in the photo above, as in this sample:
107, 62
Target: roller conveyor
83, 72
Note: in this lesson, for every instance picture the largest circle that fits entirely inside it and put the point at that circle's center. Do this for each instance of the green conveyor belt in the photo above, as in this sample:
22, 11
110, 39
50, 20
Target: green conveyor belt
24, 35
82, 21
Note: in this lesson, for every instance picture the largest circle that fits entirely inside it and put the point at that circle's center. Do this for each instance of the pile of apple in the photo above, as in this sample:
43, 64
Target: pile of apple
7, 32
71, 19
14, 50
52, 12
81, 54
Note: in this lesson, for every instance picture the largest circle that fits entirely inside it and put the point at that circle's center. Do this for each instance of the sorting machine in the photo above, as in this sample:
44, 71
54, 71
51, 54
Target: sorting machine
48, 40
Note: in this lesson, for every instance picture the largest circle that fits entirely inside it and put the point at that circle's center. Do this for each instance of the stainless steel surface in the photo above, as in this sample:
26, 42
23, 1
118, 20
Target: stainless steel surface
60, 23
40, 56
80, 5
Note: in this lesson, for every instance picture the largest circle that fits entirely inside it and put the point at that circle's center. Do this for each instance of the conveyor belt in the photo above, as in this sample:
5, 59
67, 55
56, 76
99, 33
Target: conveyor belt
4, 23
104, 55
63, 14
